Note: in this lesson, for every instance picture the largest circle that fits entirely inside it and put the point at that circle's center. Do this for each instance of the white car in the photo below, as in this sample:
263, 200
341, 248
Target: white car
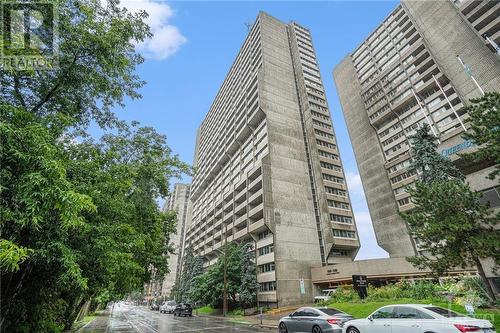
168, 307
325, 295
417, 318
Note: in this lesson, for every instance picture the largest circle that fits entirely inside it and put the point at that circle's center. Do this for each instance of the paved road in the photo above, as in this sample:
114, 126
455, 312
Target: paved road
134, 319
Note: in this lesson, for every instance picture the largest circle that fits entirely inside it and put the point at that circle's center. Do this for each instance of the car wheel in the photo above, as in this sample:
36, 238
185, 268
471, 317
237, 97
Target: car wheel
352, 330
282, 328
317, 329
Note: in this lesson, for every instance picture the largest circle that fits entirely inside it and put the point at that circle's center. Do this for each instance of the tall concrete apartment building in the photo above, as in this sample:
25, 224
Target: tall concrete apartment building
178, 203
268, 169
407, 73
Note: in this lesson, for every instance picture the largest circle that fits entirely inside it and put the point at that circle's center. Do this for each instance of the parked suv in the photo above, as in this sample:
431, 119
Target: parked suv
168, 307
183, 309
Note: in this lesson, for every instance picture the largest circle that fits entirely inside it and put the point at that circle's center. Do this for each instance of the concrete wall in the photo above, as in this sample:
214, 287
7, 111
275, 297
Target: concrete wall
390, 230
448, 34
289, 209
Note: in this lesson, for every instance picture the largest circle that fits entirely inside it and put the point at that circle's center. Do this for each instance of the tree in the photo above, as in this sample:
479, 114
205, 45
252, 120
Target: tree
249, 285
484, 118
191, 268
97, 60
453, 227
241, 277
80, 219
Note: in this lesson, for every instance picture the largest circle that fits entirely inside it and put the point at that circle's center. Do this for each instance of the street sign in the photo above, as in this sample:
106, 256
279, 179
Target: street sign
360, 283
302, 287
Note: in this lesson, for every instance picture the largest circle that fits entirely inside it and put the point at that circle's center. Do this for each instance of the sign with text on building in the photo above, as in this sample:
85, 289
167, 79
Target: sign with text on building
302, 287
457, 148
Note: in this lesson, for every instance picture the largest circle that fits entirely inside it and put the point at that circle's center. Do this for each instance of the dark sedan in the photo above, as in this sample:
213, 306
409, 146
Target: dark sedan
183, 309
315, 320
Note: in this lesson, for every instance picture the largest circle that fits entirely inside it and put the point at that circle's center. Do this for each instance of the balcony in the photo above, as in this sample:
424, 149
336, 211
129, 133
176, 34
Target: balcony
240, 221
266, 277
240, 234
228, 217
256, 184
256, 211
256, 198
241, 208
257, 226
266, 258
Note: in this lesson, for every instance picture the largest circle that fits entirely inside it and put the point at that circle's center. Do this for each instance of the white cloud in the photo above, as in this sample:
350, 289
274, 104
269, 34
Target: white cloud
167, 39
354, 183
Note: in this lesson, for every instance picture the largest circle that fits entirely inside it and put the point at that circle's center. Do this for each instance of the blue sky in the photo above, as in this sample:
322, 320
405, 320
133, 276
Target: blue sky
194, 46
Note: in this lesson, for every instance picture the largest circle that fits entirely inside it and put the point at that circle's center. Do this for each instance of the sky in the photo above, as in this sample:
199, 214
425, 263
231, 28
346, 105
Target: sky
196, 42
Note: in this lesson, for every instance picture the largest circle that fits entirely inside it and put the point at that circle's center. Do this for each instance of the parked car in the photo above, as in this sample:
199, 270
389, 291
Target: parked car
325, 295
417, 318
168, 307
315, 320
154, 306
183, 309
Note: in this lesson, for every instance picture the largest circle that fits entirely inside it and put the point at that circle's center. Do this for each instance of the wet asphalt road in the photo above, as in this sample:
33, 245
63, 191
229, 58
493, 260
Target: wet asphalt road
134, 319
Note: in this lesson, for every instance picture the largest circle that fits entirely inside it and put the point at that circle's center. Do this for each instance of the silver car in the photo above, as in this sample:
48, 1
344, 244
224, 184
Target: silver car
314, 320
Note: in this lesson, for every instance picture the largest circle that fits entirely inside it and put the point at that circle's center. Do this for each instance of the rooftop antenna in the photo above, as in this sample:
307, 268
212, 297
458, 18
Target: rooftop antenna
248, 25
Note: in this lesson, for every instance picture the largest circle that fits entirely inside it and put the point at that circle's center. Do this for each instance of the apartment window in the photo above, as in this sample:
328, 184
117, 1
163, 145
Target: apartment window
401, 177
335, 191
340, 218
326, 144
344, 233
404, 201
269, 267
267, 286
340, 253
330, 166
264, 234
333, 178
266, 250
338, 204
328, 155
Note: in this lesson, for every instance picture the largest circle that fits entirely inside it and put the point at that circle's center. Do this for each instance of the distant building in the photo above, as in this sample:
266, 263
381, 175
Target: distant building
407, 73
268, 169
178, 203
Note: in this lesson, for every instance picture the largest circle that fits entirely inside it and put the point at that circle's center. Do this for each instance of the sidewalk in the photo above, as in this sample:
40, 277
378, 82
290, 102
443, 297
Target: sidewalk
98, 324
253, 320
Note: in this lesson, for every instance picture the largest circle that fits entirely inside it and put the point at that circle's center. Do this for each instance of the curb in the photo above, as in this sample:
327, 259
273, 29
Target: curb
252, 324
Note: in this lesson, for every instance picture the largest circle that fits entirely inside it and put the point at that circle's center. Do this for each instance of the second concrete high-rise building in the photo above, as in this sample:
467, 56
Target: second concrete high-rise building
177, 202
268, 169
408, 72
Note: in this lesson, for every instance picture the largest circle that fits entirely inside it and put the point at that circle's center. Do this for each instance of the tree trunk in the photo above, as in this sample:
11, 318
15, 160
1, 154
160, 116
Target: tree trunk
487, 284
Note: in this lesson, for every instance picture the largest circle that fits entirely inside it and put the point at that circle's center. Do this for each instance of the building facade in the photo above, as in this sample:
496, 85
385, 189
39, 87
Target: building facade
177, 202
406, 73
268, 169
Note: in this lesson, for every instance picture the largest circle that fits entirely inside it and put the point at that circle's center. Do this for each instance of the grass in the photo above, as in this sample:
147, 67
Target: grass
207, 310
363, 310
87, 319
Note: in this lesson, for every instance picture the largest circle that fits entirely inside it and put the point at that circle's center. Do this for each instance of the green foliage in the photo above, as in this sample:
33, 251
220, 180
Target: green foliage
453, 227
430, 165
191, 268
12, 255
80, 218
242, 283
97, 60
484, 118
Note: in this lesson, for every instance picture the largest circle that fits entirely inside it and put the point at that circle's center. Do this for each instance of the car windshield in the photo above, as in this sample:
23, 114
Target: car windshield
330, 312
444, 312
170, 303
